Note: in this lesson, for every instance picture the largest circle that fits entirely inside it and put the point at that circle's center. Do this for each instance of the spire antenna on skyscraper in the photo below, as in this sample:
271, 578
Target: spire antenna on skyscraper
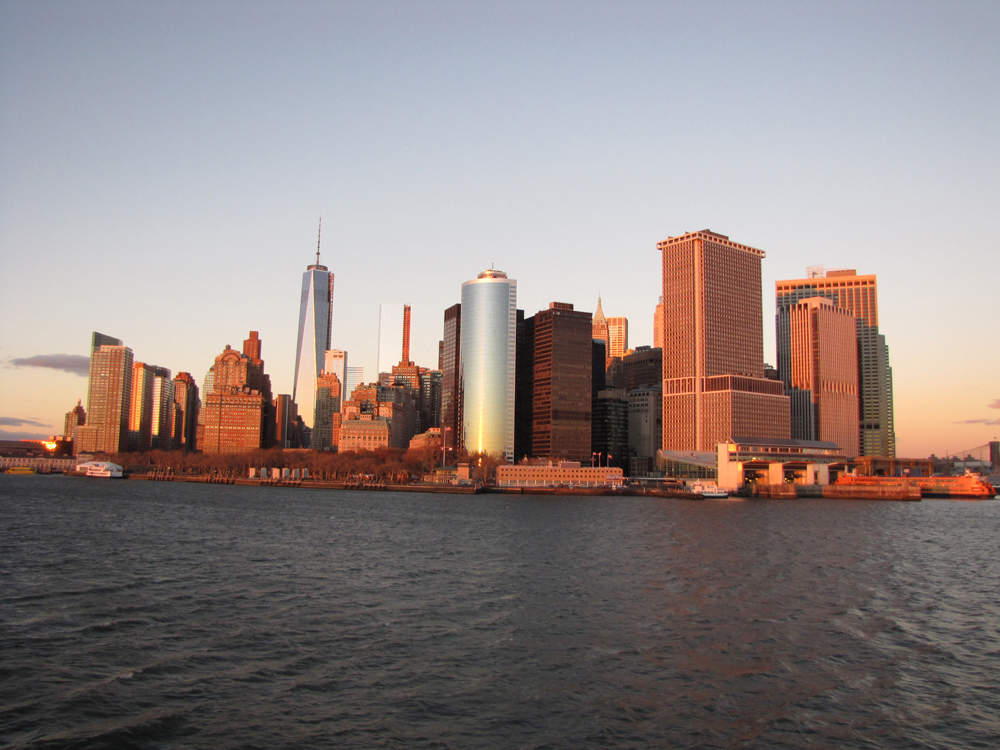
319, 235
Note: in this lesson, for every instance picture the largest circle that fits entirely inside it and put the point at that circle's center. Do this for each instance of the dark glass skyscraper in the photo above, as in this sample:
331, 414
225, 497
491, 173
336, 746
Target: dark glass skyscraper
561, 382
451, 391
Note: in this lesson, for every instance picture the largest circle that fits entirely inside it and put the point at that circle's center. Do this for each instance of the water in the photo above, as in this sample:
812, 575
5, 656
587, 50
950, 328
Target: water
158, 615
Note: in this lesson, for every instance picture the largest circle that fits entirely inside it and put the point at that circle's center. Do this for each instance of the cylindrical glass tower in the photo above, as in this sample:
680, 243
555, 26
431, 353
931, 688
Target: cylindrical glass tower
489, 334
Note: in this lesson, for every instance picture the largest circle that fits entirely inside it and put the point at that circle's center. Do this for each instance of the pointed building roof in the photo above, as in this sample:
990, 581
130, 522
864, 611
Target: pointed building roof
599, 315
600, 324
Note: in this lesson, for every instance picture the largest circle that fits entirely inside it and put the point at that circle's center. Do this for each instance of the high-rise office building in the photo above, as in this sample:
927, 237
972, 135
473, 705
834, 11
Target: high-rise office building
430, 399
618, 336
162, 423
639, 374
74, 418
821, 376
859, 294
328, 400
109, 397
645, 427
658, 325
609, 428
524, 386
355, 377
600, 327
640, 369
561, 383
285, 421
140, 434
315, 323
489, 337
451, 390
186, 412
335, 361
238, 410
393, 335
713, 351
599, 373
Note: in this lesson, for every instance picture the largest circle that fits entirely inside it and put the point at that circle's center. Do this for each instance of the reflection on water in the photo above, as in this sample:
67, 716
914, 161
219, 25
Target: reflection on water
159, 615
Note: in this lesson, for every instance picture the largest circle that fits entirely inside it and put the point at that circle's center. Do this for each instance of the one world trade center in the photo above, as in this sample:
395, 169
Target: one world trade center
315, 322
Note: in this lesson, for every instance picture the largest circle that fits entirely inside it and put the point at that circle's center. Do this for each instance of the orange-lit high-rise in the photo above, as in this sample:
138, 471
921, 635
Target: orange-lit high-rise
618, 336
822, 372
108, 397
713, 351
859, 295
237, 412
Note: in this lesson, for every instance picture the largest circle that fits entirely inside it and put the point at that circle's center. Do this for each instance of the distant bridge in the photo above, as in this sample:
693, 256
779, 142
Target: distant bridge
979, 453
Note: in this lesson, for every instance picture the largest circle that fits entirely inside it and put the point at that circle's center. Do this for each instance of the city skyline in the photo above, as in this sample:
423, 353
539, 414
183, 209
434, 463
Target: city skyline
568, 168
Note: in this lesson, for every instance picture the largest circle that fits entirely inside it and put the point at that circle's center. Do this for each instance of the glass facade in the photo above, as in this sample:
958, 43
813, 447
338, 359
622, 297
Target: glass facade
859, 294
315, 319
488, 341
355, 377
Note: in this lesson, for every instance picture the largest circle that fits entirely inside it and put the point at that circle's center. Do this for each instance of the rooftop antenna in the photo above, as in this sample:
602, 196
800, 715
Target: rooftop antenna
319, 234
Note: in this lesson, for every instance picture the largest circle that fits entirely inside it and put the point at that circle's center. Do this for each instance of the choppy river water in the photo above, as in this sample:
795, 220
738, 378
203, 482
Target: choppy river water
159, 615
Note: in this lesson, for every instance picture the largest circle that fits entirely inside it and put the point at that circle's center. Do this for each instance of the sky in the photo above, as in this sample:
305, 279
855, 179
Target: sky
164, 166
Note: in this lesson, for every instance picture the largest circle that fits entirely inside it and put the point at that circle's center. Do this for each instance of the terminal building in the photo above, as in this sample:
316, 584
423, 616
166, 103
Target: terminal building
766, 461
740, 461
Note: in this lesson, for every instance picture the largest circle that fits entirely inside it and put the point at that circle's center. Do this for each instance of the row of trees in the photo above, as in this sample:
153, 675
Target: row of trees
385, 464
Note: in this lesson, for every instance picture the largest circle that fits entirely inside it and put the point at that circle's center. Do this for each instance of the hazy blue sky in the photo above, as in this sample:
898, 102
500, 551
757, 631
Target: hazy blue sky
163, 167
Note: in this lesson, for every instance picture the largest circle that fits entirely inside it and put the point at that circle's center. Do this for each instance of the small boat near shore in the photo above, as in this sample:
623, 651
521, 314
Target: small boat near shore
21, 470
709, 491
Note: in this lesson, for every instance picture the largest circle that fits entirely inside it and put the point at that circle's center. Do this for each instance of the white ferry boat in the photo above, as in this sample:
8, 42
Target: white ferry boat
104, 469
708, 490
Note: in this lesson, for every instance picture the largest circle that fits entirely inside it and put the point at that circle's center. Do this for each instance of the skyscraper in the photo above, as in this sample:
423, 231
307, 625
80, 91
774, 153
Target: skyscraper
315, 323
162, 423
451, 391
109, 397
74, 418
821, 371
328, 400
355, 377
859, 294
391, 341
238, 410
489, 336
713, 351
140, 433
285, 414
618, 336
524, 386
186, 414
335, 361
561, 382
